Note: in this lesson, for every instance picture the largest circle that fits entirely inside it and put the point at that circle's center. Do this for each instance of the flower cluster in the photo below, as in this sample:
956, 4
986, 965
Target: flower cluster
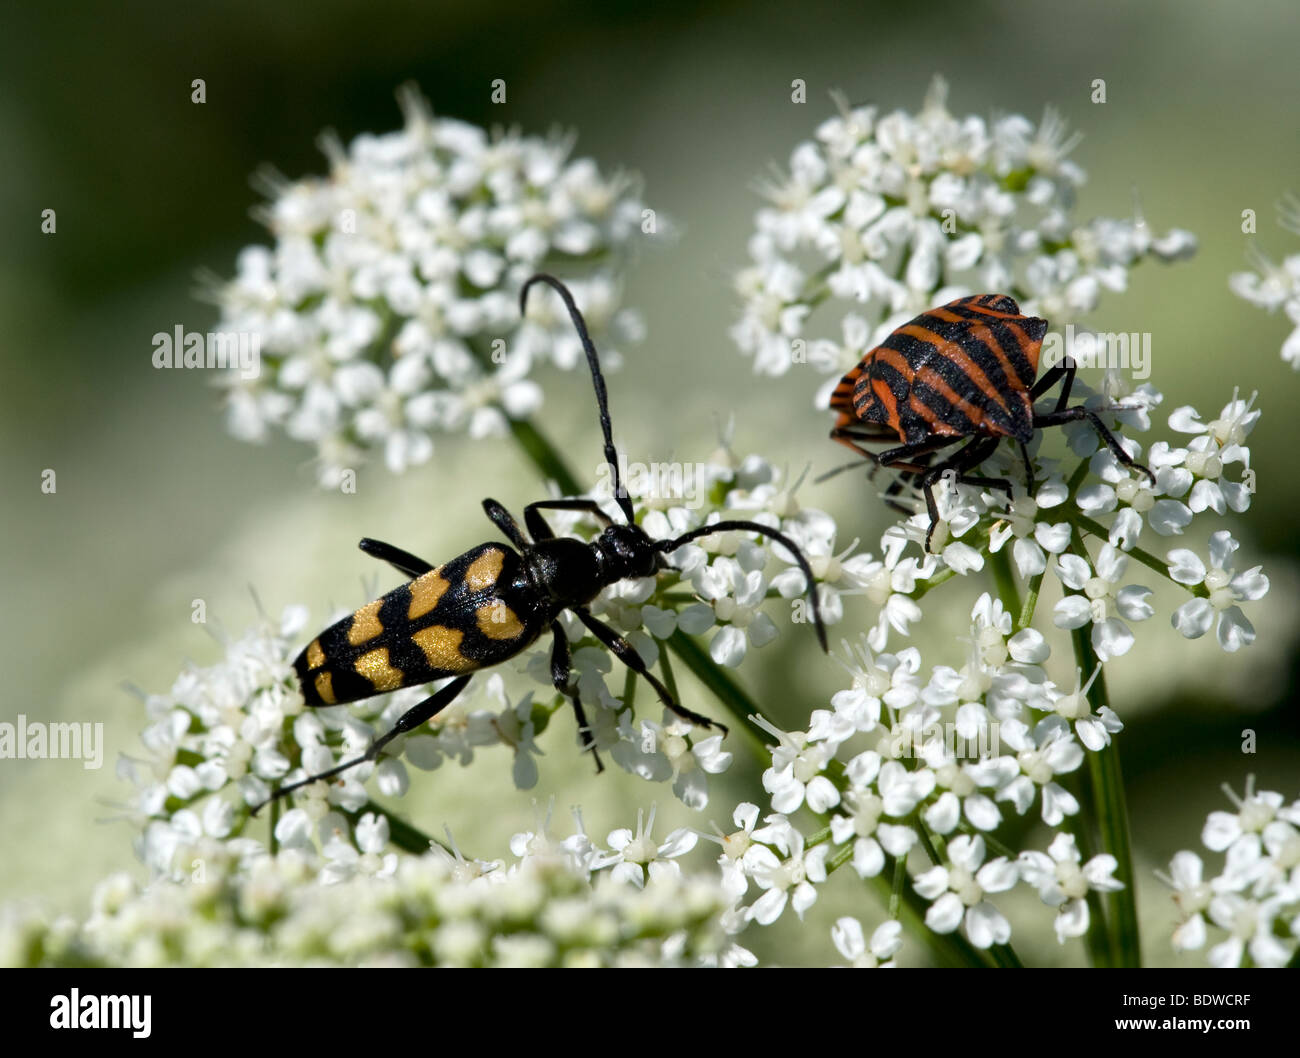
546, 909
1274, 287
893, 213
907, 758
387, 309
1254, 903
903, 760
225, 735
379, 306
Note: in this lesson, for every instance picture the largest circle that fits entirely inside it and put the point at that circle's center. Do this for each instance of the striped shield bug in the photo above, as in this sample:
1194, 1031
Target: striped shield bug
492, 602
963, 371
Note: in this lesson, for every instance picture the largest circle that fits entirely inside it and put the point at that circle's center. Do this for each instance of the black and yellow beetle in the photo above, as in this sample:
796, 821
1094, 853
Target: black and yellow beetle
489, 604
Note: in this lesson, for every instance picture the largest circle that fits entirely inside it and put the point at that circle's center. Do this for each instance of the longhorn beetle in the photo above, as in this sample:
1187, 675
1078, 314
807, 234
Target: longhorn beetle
489, 604
965, 370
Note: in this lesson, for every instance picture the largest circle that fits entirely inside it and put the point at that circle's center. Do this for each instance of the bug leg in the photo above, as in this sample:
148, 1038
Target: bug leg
901, 482
1065, 369
537, 524
505, 521
1059, 418
1030, 484
847, 439
967, 458
408, 721
562, 677
402, 561
626, 653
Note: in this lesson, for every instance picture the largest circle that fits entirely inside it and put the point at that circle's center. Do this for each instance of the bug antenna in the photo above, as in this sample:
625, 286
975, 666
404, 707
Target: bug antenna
597, 379
753, 527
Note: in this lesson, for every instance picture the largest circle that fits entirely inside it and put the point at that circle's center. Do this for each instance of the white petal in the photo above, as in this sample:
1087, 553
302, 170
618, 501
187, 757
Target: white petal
1185, 566
1169, 517
1073, 611
982, 812
727, 648
1250, 585
848, 939
1194, 618
1029, 558
822, 794
945, 914
944, 815
1235, 630
1131, 602
1111, 639
1073, 571
1072, 920
986, 926
1029, 647
868, 859
1053, 538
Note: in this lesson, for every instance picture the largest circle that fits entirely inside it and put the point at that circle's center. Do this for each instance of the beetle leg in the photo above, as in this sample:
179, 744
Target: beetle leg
562, 677
402, 561
505, 521
408, 721
626, 653
537, 524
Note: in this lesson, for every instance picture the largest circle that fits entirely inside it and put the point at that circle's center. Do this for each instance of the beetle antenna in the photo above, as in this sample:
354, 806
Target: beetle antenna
753, 527
598, 380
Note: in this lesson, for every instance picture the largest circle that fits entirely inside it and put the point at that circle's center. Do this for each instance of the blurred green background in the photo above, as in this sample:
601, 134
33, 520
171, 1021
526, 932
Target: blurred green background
156, 506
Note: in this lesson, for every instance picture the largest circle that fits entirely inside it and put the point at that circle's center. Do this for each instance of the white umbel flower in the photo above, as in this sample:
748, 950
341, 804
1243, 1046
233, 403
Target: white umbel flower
386, 310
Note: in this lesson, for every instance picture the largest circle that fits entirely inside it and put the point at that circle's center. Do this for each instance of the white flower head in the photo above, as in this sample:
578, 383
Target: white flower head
386, 310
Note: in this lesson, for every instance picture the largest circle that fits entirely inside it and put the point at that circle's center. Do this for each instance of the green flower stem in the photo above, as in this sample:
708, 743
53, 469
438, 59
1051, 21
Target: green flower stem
1030, 603
948, 949
839, 857
1097, 939
947, 573
732, 696
1082, 521
1000, 566
274, 842
670, 677
977, 538
907, 907
896, 891
1111, 811
545, 457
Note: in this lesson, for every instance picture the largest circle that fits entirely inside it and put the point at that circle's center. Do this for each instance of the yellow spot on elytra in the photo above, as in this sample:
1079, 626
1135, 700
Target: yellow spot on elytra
374, 667
315, 656
441, 645
497, 621
426, 590
325, 687
484, 570
365, 623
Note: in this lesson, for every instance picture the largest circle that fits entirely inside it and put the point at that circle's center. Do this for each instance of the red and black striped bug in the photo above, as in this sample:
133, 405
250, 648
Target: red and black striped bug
963, 371
492, 602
